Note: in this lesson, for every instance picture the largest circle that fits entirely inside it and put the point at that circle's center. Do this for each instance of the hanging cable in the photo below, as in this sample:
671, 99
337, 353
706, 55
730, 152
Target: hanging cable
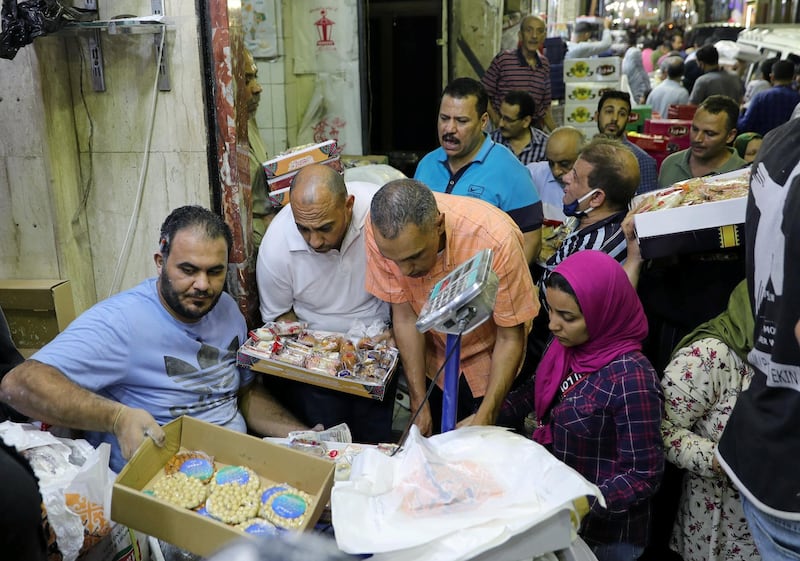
467, 314
128, 241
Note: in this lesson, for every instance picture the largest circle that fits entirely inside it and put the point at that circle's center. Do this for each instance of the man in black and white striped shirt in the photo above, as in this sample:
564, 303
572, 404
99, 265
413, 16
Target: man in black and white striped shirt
597, 192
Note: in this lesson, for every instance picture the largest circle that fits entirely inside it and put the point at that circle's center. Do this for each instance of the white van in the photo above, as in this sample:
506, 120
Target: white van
780, 41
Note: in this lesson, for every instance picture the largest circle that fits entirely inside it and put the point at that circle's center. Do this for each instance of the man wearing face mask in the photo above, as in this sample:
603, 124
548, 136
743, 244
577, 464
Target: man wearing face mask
597, 192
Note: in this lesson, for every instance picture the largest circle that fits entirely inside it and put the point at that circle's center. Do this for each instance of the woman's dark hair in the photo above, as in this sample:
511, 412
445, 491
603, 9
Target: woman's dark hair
557, 281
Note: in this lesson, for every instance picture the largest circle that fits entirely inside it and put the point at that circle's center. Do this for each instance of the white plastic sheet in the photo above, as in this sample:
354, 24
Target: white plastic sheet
451, 496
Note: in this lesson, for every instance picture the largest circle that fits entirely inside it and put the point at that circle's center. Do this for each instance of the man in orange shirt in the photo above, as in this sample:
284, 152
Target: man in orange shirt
414, 238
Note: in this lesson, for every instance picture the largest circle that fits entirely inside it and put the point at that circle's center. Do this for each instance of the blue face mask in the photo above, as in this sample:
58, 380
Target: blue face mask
571, 209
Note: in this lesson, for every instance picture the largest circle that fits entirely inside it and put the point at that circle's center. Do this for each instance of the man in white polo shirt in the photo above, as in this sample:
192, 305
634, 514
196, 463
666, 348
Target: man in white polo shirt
311, 267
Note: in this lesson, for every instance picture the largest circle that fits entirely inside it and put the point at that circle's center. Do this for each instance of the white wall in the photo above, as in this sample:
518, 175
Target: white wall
27, 237
69, 152
271, 115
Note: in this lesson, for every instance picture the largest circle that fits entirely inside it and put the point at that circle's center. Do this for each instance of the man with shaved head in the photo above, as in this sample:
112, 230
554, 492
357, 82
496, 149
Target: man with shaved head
311, 268
560, 153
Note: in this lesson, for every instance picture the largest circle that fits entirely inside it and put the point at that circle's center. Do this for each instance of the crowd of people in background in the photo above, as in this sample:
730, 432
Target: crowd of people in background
623, 367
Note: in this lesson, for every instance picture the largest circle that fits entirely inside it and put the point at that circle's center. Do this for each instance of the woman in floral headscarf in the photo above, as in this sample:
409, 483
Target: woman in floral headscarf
598, 400
707, 372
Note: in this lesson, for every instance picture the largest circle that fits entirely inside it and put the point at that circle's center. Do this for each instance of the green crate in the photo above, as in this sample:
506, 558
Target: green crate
637, 117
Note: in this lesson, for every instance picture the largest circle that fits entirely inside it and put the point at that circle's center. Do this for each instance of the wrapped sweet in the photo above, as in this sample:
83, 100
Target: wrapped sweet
257, 527
181, 490
294, 353
348, 355
195, 464
233, 503
323, 364
286, 328
287, 508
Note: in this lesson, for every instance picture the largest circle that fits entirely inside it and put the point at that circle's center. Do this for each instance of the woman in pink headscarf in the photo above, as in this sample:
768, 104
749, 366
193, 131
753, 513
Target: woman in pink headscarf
598, 400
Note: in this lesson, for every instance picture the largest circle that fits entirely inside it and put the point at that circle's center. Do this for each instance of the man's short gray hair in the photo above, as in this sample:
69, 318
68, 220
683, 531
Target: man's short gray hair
402, 202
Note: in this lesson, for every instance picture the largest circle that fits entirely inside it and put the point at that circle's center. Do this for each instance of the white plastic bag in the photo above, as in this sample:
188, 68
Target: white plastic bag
458, 493
74, 480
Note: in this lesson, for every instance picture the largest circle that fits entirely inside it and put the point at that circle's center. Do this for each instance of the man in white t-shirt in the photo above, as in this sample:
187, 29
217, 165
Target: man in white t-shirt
311, 267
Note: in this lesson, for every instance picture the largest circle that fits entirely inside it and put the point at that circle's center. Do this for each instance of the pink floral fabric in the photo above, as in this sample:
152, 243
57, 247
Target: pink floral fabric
701, 385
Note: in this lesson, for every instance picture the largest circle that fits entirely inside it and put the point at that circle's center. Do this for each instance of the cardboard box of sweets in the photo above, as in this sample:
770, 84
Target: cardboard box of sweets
708, 226
594, 69
295, 158
279, 186
187, 529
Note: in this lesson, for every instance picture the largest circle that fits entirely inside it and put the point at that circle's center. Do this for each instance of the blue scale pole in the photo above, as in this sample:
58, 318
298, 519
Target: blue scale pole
451, 372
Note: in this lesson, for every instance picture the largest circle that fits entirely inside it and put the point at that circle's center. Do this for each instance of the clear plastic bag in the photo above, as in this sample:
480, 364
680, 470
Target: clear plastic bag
451, 496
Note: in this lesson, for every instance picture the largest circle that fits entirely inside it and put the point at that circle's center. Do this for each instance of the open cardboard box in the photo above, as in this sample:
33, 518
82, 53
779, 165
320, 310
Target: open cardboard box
192, 531
36, 310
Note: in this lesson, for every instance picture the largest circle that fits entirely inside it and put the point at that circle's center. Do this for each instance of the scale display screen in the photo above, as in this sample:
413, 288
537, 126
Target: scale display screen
467, 293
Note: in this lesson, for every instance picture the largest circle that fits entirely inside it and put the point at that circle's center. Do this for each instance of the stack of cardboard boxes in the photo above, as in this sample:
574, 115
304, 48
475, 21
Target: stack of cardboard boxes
282, 168
585, 80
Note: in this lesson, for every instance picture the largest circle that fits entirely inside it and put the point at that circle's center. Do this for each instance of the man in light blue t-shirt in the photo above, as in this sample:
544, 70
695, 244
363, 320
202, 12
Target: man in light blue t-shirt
165, 348
468, 162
